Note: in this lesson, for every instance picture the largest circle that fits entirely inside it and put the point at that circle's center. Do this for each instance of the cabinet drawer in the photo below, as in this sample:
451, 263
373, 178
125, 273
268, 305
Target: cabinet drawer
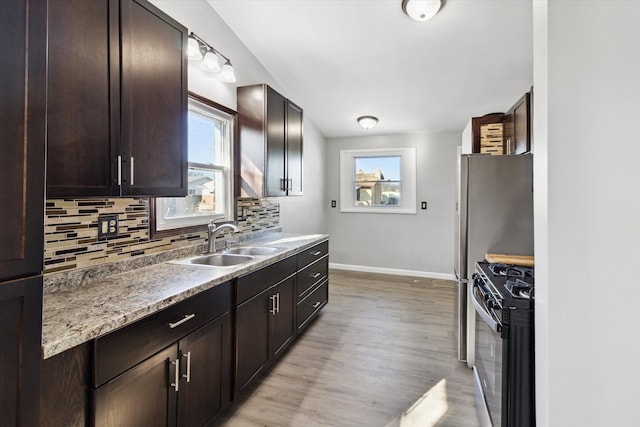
312, 304
253, 283
312, 254
118, 351
311, 275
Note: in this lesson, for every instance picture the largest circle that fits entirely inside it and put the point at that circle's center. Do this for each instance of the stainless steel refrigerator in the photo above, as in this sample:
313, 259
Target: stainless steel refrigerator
494, 214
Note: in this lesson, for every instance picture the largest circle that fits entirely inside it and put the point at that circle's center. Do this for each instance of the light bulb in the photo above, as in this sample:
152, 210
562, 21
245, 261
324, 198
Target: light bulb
210, 62
227, 74
193, 49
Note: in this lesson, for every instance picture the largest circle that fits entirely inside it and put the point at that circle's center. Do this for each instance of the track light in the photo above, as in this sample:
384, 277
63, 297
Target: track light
198, 49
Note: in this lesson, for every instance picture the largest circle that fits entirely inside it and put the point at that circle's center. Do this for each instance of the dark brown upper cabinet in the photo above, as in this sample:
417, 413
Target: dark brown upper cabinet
22, 130
117, 100
270, 141
22, 127
517, 126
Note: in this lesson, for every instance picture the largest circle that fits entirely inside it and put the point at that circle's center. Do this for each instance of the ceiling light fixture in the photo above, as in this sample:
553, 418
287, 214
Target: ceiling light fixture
421, 10
198, 49
367, 122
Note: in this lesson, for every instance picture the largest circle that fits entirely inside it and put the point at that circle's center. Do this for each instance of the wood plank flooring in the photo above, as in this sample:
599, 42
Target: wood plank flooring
382, 353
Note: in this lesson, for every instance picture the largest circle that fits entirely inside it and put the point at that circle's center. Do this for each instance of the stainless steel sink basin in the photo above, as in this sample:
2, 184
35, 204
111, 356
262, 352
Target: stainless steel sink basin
218, 260
253, 250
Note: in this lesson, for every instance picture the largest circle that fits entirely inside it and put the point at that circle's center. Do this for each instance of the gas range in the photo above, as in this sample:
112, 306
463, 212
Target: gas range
504, 372
515, 284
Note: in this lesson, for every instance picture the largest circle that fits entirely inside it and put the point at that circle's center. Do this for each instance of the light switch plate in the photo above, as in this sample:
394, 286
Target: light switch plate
107, 226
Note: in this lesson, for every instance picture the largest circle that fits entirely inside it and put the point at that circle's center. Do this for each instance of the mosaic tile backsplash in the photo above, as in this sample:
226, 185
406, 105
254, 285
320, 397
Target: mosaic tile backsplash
71, 230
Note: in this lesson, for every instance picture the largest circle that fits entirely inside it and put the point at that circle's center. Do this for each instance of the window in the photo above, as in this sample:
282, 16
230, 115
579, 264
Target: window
210, 191
378, 180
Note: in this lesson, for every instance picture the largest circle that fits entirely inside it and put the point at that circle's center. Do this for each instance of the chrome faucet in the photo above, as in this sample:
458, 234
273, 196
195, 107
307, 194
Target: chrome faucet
214, 230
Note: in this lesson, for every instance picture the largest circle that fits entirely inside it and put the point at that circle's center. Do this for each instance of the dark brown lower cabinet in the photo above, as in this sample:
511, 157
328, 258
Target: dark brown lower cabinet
186, 384
206, 373
141, 396
20, 360
265, 326
66, 388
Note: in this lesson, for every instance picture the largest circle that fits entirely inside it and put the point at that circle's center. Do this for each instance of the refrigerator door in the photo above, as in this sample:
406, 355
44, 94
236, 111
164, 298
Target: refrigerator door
495, 215
460, 260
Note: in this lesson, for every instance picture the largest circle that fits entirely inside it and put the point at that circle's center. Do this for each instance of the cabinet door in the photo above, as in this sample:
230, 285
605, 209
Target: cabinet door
142, 397
22, 128
294, 149
21, 320
283, 322
275, 179
154, 101
206, 379
83, 98
521, 126
69, 371
252, 339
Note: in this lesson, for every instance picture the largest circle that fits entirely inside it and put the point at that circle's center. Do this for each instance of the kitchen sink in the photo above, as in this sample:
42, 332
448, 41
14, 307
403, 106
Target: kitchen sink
218, 260
253, 250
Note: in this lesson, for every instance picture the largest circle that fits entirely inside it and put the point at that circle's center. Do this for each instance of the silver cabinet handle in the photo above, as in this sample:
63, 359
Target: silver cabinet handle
273, 304
278, 302
119, 170
317, 304
316, 253
316, 275
186, 318
176, 384
132, 171
188, 374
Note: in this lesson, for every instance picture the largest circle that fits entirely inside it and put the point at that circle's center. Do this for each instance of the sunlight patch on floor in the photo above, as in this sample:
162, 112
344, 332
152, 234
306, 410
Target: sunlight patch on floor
429, 409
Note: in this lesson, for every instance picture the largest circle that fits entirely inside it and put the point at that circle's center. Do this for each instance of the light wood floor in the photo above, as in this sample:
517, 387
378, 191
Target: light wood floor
382, 353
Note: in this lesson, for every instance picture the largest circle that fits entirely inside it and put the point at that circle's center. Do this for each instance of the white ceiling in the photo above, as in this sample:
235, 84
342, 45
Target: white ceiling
340, 59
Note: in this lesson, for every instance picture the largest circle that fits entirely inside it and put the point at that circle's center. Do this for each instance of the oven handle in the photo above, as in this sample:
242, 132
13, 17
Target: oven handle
481, 310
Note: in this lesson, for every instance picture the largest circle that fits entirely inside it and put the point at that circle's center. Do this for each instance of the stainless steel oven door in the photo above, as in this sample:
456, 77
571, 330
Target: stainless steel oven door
488, 349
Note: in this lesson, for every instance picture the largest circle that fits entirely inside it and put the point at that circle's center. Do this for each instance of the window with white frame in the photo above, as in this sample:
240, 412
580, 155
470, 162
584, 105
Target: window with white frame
378, 180
210, 191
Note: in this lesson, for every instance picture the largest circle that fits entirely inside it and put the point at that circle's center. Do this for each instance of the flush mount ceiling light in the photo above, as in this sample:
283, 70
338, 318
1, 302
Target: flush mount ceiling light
198, 49
421, 10
367, 122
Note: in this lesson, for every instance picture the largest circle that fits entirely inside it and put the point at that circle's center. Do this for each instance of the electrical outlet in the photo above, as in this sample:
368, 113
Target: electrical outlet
424, 205
333, 203
107, 226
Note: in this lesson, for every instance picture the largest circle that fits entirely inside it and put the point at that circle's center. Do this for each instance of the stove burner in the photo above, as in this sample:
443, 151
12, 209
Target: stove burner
510, 271
520, 289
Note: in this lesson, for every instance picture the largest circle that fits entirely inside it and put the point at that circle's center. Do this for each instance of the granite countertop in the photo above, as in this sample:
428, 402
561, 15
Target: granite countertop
78, 312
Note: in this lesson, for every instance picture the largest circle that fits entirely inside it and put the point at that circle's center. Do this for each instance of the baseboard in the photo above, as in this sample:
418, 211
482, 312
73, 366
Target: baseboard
394, 271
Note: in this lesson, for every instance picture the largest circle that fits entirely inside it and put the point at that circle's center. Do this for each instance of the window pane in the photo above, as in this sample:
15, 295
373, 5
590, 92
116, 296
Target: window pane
205, 139
206, 196
377, 181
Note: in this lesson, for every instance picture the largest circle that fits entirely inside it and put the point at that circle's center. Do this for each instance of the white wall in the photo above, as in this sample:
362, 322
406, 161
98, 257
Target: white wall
308, 213
201, 19
587, 211
420, 244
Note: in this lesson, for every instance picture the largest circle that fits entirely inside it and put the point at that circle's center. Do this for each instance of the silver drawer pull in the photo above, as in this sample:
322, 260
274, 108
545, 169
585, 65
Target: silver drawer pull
187, 376
176, 384
316, 275
316, 253
186, 318
317, 304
